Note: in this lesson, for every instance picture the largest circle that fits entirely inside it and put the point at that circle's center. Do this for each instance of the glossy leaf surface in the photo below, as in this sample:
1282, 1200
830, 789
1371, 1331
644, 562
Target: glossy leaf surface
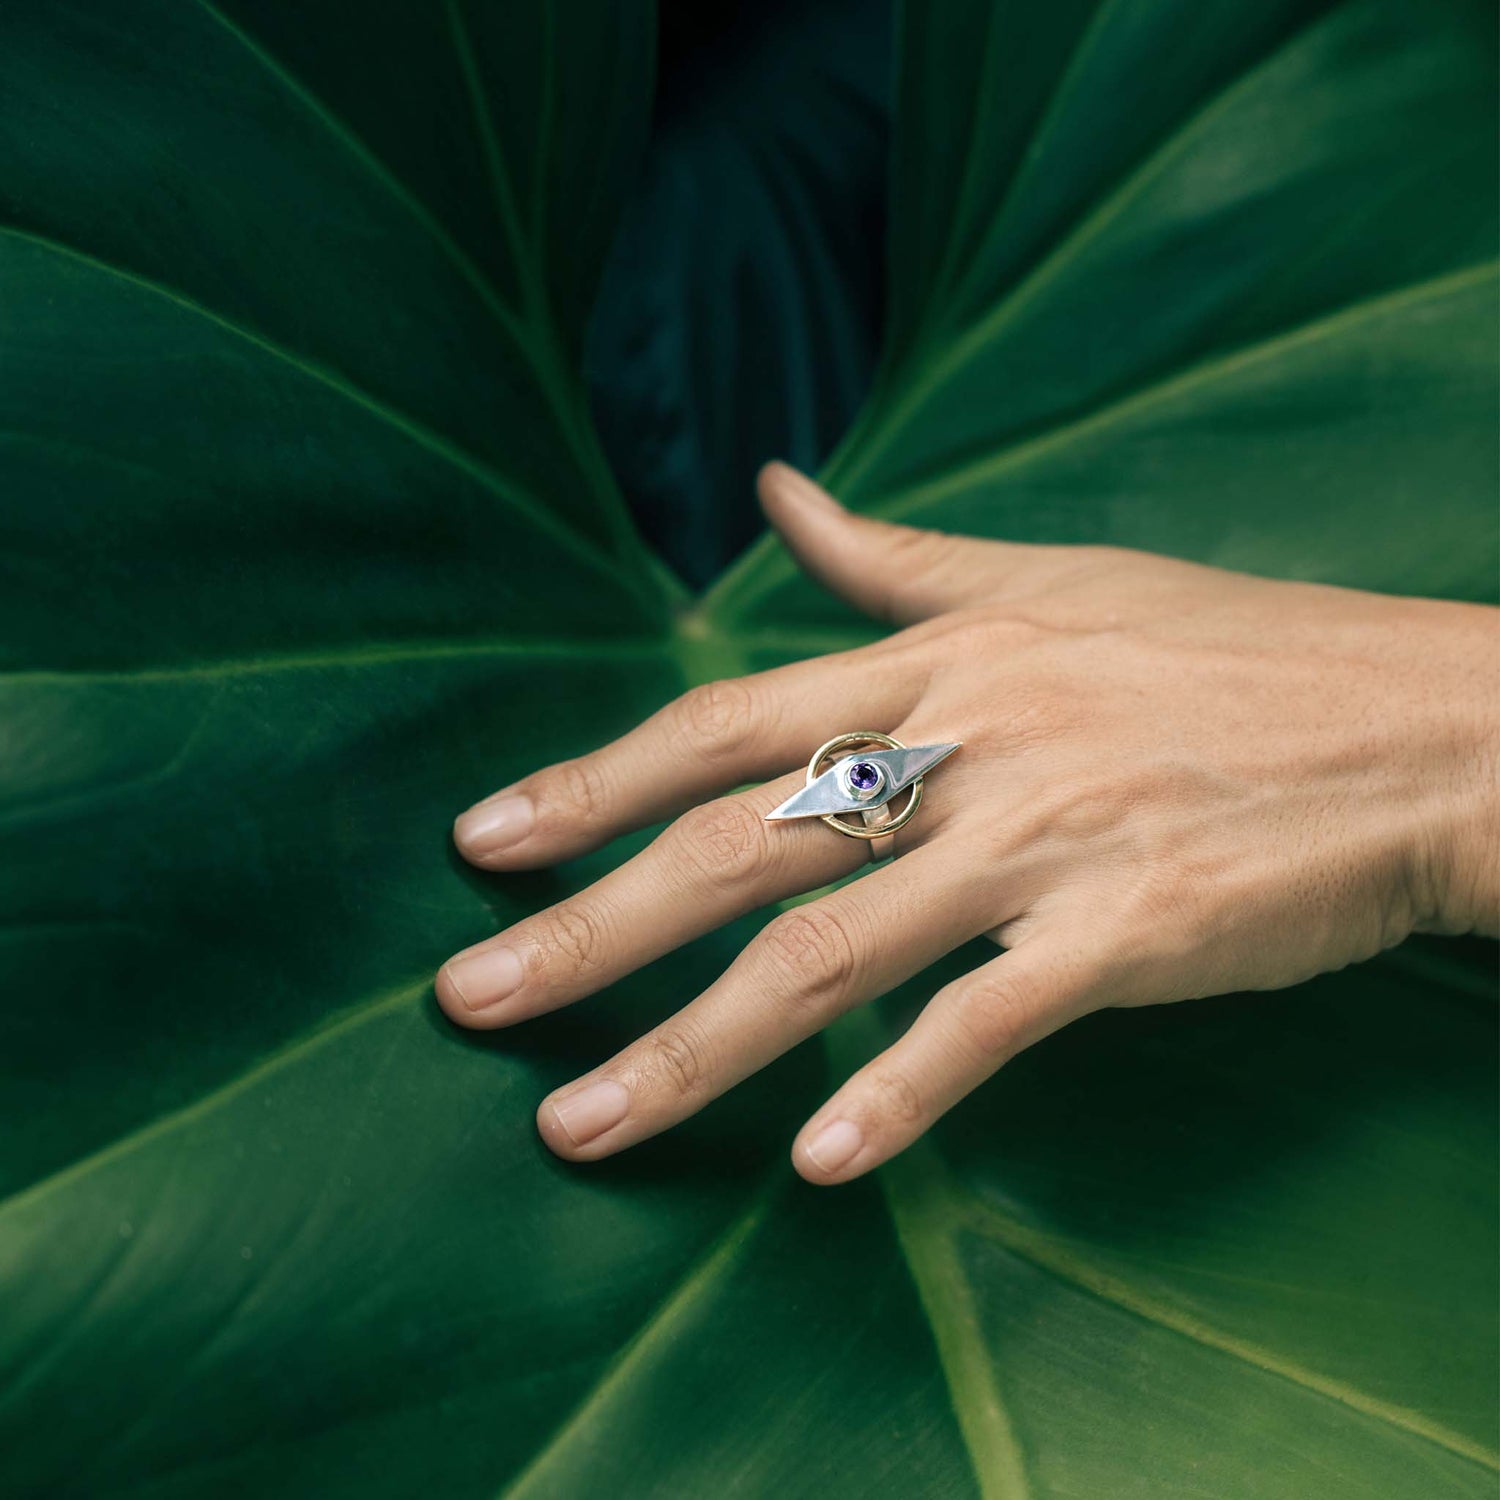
305, 542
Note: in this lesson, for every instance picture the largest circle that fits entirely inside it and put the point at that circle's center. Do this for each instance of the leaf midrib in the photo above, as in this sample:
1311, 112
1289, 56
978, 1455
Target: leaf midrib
929, 1208
580, 648
1059, 1259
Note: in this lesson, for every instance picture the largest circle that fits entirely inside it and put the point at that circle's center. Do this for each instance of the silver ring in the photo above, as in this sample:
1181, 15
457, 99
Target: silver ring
849, 778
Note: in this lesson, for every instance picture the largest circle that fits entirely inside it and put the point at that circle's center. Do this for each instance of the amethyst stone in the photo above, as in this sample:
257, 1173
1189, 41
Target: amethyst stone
863, 776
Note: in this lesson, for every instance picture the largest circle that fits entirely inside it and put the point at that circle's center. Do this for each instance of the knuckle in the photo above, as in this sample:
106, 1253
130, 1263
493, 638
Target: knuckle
718, 715
990, 1018
679, 1058
722, 840
813, 956
575, 932
579, 785
897, 1097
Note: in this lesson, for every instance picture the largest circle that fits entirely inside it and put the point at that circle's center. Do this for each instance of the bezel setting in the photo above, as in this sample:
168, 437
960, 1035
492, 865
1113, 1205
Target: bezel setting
863, 779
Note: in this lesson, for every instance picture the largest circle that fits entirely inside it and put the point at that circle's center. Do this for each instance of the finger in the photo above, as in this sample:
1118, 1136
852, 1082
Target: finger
968, 1029
805, 968
898, 573
716, 862
713, 738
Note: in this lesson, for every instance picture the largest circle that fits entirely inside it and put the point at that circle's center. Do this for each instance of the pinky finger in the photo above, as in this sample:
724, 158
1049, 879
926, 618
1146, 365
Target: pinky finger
967, 1031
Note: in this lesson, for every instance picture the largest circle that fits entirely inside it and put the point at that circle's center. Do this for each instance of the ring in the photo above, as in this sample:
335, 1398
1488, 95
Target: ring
846, 777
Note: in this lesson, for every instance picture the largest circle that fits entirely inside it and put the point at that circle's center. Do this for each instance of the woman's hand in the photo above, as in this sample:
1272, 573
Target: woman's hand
1174, 782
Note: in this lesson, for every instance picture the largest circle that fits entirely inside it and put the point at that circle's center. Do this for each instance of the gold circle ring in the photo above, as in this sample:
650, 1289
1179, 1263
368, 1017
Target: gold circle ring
877, 825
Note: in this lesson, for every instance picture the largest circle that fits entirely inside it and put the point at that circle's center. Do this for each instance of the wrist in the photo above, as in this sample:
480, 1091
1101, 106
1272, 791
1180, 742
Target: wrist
1469, 895
1457, 867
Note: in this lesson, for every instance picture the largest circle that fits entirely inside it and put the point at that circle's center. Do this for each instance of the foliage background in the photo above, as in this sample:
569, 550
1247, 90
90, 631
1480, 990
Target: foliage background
306, 540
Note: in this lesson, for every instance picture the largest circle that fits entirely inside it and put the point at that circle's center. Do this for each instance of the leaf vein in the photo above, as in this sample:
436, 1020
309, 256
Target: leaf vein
524, 503
688, 1290
1058, 1260
377, 169
123, 1146
367, 655
924, 1213
1195, 376
976, 334
494, 159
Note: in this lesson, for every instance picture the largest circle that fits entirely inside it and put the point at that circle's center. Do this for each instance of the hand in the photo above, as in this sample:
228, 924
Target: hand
1175, 782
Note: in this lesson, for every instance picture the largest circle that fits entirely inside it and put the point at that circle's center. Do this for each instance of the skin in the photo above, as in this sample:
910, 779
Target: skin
1175, 782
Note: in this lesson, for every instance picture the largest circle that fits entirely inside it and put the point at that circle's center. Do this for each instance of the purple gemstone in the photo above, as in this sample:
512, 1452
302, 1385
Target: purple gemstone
863, 776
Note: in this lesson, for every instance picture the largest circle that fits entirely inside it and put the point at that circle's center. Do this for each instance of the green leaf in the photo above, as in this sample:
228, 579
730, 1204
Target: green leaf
307, 542
1214, 280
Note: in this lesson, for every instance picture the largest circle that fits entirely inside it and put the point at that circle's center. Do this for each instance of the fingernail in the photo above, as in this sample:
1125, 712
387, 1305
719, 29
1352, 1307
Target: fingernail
800, 486
485, 976
494, 825
806, 490
592, 1111
835, 1146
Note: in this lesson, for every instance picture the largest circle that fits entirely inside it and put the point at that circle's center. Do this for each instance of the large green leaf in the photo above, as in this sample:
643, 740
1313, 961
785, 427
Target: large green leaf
305, 542
1216, 280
